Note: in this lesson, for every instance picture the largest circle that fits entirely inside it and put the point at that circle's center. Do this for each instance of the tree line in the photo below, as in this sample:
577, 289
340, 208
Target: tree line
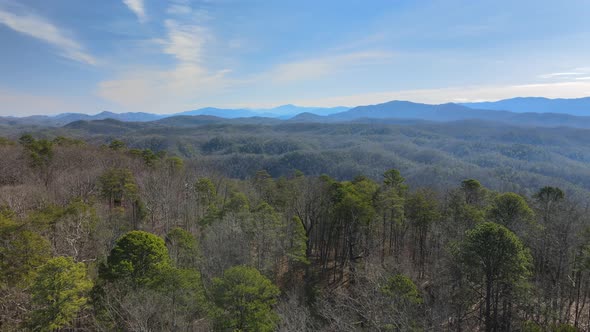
111, 238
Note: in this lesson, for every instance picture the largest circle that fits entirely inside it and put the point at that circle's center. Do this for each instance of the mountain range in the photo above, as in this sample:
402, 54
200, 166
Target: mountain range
530, 111
574, 106
280, 112
394, 111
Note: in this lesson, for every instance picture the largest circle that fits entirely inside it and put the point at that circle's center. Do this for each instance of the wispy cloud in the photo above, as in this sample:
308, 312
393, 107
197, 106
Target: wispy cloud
191, 80
18, 103
567, 75
185, 41
138, 8
170, 89
179, 9
564, 74
39, 28
458, 94
314, 68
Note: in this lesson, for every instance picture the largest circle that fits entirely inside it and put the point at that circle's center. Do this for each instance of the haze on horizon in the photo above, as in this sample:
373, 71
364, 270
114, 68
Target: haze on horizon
171, 56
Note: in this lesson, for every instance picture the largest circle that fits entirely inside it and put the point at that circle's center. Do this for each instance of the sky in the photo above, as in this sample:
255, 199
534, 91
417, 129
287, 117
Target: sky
169, 56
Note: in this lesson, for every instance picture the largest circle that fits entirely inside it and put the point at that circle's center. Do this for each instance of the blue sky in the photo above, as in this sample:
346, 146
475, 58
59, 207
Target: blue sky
168, 56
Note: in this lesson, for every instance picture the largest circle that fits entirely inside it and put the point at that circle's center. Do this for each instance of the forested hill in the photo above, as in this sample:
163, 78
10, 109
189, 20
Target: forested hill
138, 240
433, 154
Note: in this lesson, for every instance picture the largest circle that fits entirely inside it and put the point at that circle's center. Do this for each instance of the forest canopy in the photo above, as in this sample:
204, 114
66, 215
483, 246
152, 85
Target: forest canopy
110, 237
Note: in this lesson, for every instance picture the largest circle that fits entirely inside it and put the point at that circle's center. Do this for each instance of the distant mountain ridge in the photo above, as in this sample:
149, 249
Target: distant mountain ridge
523, 111
280, 112
574, 106
396, 110
65, 118
409, 110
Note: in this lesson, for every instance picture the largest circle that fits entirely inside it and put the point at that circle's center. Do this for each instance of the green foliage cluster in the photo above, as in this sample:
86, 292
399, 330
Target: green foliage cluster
243, 299
40, 151
138, 257
22, 251
117, 184
59, 293
400, 287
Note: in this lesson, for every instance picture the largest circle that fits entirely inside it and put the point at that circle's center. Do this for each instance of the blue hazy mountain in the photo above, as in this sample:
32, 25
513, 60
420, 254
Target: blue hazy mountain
291, 110
220, 112
394, 111
129, 116
516, 111
280, 112
65, 118
401, 110
283, 111
576, 106
398, 109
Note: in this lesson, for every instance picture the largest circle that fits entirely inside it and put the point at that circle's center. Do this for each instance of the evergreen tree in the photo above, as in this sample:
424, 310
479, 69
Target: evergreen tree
244, 300
58, 293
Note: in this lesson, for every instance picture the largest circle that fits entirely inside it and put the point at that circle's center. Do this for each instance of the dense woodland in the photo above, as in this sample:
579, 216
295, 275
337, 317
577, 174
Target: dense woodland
108, 237
428, 154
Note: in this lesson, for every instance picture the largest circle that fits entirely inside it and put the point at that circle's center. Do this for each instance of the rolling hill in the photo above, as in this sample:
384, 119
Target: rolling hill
504, 156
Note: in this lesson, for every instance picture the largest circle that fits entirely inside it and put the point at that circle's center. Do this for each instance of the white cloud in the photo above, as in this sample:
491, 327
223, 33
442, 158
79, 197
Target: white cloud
163, 91
178, 9
322, 66
16, 103
38, 27
167, 90
138, 8
190, 83
571, 73
185, 42
576, 89
556, 75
